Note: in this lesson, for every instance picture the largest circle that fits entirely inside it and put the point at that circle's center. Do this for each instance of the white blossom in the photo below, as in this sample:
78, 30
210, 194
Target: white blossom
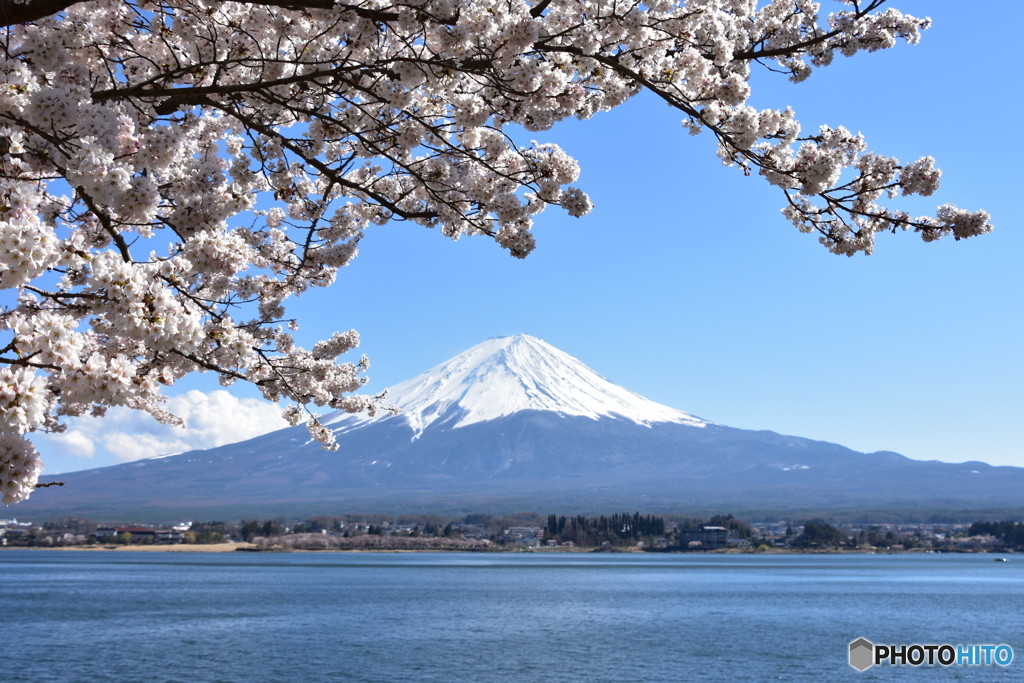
19, 468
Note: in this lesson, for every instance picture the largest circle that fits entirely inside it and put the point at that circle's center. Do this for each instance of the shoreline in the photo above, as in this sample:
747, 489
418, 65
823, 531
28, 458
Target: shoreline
180, 548
252, 548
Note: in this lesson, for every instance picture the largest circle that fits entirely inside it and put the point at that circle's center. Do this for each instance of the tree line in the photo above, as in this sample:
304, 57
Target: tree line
1010, 533
583, 530
620, 529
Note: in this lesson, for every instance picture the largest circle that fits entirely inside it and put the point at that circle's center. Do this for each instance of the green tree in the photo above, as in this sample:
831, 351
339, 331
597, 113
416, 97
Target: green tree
820, 533
250, 529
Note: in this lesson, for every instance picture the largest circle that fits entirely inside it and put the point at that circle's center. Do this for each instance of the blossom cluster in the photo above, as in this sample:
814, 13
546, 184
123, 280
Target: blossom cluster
23, 403
137, 140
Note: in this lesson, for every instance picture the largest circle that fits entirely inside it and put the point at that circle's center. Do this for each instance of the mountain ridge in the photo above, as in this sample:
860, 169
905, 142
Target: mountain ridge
513, 424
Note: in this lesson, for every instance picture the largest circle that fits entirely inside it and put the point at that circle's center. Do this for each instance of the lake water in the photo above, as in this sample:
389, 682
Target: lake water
80, 617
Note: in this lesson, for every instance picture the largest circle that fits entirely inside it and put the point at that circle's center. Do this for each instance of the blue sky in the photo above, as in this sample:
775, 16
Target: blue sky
686, 284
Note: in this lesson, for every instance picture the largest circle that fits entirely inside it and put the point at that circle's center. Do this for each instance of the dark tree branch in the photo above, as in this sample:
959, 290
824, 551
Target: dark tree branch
213, 366
539, 8
364, 12
197, 95
12, 12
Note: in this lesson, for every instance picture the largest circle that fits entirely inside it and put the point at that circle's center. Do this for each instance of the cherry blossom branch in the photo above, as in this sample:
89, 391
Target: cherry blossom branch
800, 47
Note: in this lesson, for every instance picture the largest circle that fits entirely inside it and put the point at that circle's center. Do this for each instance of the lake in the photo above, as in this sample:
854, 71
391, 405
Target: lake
80, 617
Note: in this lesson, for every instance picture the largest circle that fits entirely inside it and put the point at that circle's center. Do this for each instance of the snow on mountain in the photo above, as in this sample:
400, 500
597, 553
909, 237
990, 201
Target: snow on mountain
505, 375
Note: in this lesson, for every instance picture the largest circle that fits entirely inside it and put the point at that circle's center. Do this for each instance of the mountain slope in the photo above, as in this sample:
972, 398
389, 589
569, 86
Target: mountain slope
515, 424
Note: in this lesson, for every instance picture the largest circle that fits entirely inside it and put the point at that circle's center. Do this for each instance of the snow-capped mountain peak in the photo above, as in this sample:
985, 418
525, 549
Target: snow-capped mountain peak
505, 375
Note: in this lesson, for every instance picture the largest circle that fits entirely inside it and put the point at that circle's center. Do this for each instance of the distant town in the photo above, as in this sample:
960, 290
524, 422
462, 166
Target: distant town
526, 531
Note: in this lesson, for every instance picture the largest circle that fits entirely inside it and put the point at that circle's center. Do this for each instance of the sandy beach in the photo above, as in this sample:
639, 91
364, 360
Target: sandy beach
183, 548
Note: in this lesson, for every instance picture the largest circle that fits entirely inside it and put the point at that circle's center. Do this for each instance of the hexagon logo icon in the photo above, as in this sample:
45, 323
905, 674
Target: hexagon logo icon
862, 654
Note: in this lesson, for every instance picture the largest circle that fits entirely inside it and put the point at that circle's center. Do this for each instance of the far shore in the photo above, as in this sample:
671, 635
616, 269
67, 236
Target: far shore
250, 547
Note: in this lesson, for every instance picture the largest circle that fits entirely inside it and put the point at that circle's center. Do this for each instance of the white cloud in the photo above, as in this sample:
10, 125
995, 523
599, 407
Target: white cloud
75, 444
127, 447
211, 419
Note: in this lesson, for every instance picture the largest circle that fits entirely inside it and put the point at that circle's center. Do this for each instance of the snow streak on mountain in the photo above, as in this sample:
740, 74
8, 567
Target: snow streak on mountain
505, 375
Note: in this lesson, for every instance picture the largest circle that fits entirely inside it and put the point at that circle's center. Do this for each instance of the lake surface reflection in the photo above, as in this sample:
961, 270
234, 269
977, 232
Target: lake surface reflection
121, 616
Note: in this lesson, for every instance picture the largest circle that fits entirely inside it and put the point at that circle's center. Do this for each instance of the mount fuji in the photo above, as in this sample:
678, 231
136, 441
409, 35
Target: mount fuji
511, 424
507, 375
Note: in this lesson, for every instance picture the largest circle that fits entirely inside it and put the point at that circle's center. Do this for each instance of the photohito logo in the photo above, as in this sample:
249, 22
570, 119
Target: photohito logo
865, 654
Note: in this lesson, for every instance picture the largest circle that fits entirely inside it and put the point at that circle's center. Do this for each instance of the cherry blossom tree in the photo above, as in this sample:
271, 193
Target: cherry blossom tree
141, 143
